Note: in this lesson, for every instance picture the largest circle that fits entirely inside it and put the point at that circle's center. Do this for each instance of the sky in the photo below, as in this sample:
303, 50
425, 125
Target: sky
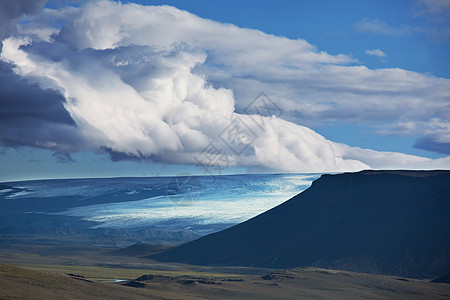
156, 88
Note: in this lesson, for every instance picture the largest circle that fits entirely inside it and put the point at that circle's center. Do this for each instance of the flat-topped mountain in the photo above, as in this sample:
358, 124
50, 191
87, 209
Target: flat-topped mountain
387, 222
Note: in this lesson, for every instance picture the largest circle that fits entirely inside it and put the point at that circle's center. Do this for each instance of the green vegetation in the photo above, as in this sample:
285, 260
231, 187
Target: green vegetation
106, 274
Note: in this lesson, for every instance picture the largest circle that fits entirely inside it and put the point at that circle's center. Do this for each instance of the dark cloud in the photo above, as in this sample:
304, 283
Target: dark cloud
20, 99
32, 160
431, 143
31, 116
122, 156
54, 51
63, 157
11, 10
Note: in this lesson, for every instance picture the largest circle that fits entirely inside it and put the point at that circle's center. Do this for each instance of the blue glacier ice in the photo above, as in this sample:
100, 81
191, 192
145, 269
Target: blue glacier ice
201, 204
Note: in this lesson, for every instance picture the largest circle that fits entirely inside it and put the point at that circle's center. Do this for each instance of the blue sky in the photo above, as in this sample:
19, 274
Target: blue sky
408, 35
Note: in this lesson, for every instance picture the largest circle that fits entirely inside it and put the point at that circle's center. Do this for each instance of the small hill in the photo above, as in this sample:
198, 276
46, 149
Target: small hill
385, 222
140, 249
442, 279
21, 283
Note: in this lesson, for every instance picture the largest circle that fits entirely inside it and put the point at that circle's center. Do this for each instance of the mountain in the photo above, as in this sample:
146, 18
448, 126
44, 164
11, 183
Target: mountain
385, 222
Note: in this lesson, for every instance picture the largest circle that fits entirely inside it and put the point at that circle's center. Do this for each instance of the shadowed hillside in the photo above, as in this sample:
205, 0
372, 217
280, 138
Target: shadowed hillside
387, 222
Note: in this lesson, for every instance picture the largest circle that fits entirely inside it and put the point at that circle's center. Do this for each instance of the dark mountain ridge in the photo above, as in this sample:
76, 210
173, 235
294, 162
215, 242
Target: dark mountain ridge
385, 222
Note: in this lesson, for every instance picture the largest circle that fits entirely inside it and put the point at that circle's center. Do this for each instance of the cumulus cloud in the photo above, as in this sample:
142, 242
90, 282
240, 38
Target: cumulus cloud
162, 84
376, 52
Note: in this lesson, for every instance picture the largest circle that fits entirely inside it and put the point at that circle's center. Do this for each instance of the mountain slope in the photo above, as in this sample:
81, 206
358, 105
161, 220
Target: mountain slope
387, 222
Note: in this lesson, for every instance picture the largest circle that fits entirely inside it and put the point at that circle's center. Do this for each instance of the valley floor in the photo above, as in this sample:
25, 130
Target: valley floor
82, 272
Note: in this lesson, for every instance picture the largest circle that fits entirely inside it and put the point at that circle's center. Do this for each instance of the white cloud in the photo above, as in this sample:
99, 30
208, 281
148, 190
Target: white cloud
376, 52
160, 83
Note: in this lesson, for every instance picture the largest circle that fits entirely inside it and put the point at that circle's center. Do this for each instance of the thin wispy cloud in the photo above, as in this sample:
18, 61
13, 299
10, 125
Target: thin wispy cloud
435, 7
161, 84
436, 12
63, 157
380, 27
375, 52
